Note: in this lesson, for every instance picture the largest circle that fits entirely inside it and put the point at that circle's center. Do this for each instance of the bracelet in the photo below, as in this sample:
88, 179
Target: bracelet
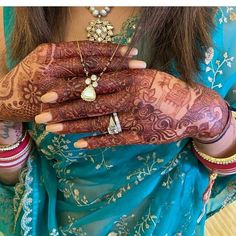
13, 152
220, 160
221, 169
18, 156
4, 148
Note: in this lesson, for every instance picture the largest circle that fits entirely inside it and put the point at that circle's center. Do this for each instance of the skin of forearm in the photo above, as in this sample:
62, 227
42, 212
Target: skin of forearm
10, 176
224, 147
10, 132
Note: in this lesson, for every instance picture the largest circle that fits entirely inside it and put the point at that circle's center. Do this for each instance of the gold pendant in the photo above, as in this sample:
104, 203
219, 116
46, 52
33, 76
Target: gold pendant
100, 31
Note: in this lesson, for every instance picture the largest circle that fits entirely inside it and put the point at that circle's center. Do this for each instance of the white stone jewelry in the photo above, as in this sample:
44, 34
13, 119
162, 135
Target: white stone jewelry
117, 121
114, 126
89, 93
99, 30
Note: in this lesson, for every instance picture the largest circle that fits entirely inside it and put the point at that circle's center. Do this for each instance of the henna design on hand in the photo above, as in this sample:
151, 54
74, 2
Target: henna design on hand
156, 107
71, 88
22, 87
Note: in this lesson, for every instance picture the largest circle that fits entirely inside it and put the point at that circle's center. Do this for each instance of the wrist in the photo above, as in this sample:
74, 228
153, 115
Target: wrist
10, 132
225, 146
15, 155
217, 124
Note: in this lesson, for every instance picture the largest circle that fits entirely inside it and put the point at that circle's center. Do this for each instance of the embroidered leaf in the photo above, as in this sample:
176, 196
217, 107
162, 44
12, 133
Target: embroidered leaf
219, 85
208, 68
220, 72
225, 55
229, 64
210, 79
209, 55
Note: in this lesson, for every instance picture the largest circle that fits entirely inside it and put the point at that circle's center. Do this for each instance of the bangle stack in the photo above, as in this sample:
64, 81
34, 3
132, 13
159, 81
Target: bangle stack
220, 165
16, 154
217, 167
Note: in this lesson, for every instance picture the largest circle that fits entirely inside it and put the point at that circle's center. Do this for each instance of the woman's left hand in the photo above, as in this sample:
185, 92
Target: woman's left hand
155, 108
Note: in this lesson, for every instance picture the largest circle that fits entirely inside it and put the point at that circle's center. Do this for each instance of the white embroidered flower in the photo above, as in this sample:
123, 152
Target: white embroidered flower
54, 233
209, 54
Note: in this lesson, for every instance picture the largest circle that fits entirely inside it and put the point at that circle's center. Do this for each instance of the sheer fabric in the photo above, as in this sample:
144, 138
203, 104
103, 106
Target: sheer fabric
127, 190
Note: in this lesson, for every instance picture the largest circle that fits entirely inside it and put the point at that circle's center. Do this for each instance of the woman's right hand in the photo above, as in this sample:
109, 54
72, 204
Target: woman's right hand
47, 67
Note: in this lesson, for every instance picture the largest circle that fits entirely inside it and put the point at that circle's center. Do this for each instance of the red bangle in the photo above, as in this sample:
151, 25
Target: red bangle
16, 150
16, 156
226, 169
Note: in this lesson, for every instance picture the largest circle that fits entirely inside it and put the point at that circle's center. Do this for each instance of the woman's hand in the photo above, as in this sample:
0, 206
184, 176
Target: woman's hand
154, 108
47, 67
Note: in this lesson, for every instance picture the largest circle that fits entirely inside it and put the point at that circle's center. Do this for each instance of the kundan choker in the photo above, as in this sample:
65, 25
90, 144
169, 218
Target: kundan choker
100, 30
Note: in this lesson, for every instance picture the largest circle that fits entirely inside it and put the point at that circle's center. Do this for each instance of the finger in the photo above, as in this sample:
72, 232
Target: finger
108, 140
95, 124
71, 49
77, 109
71, 67
69, 89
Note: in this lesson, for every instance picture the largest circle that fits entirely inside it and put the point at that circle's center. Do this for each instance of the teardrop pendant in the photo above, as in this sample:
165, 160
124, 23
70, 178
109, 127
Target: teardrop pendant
89, 94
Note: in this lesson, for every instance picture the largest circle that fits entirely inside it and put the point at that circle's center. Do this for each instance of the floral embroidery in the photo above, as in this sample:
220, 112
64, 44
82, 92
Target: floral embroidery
69, 189
19, 192
96, 156
27, 201
54, 233
127, 31
71, 229
145, 223
173, 163
150, 163
226, 16
112, 197
59, 147
230, 196
216, 69
122, 225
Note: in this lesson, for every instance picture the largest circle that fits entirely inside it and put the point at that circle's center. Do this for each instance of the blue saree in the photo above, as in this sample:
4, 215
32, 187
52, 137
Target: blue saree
136, 190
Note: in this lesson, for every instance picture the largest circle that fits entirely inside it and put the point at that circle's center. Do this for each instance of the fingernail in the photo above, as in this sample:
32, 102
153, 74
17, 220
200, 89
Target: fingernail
54, 127
43, 118
136, 64
81, 144
133, 52
49, 97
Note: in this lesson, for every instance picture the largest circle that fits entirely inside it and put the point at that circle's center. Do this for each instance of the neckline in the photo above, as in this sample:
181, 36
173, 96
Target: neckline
127, 30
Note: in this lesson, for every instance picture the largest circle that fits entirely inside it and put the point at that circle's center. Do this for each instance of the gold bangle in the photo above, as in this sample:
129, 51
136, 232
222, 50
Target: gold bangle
218, 160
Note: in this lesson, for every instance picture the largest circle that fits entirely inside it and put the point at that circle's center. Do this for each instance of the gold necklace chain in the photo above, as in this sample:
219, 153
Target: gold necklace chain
89, 93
